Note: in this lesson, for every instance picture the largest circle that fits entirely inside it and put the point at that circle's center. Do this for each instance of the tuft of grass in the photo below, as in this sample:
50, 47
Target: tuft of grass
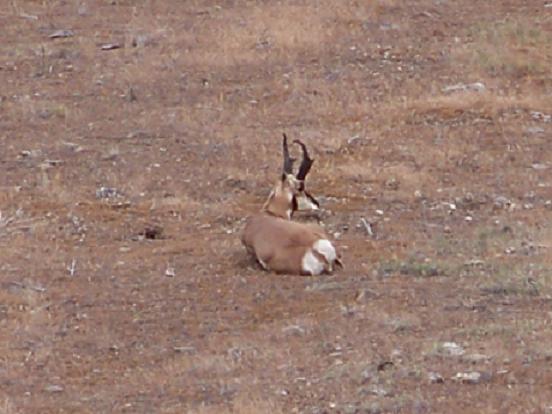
243, 404
7, 407
512, 47
412, 267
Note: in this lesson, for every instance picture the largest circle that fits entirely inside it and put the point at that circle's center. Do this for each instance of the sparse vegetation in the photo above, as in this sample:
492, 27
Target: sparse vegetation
511, 47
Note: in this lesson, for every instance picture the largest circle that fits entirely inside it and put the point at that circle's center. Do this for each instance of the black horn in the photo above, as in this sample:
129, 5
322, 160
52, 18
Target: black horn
288, 161
306, 164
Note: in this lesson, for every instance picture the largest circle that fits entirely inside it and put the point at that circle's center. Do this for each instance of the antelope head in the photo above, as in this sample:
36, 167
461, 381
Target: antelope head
289, 194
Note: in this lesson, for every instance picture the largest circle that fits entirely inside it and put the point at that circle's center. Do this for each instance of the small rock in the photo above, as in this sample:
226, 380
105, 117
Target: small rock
435, 378
61, 34
392, 183
141, 40
53, 388
463, 87
452, 349
363, 295
324, 286
367, 226
384, 365
367, 375
353, 139
539, 166
535, 130
510, 250
110, 46
107, 192
184, 349
501, 202
476, 358
152, 232
350, 409
473, 377
377, 390
539, 116
295, 330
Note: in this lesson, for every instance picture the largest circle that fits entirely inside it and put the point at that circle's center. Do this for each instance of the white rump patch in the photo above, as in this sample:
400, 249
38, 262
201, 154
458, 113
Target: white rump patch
311, 264
326, 249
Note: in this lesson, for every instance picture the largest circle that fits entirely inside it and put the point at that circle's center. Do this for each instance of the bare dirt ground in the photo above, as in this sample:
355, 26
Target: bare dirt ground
142, 300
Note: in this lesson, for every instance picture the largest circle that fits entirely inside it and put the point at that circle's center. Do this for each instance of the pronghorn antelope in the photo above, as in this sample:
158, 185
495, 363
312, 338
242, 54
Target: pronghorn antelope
282, 245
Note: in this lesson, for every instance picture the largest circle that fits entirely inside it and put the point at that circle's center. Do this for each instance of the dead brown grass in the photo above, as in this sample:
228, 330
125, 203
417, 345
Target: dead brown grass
185, 120
513, 47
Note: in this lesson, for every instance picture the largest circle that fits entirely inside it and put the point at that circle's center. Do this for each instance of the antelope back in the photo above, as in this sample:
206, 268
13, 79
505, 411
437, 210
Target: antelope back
288, 247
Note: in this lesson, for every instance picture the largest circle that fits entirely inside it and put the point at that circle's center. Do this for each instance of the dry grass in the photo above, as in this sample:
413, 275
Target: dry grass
244, 404
185, 120
511, 47
487, 105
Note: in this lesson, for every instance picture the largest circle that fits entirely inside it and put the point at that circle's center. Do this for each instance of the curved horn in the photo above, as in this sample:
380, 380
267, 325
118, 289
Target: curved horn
288, 161
306, 164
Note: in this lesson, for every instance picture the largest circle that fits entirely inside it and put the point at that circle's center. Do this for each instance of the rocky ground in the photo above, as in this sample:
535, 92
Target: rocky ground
136, 136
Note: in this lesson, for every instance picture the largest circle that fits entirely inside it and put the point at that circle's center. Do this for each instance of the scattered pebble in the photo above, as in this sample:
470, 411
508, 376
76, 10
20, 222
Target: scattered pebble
465, 87
539, 166
476, 358
379, 391
107, 192
53, 388
367, 226
539, 116
110, 46
152, 232
452, 349
184, 349
435, 378
61, 34
170, 272
294, 330
473, 377
501, 202
535, 130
